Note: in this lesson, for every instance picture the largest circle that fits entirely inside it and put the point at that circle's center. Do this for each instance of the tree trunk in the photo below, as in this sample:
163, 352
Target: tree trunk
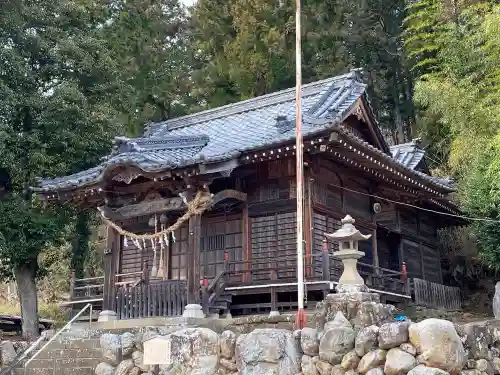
26, 286
80, 244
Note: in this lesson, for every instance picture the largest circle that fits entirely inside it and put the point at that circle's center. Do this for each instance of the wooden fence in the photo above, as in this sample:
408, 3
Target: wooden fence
161, 298
437, 296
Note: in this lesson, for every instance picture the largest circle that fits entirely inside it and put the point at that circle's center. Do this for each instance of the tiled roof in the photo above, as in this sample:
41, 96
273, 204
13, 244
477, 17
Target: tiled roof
408, 154
226, 132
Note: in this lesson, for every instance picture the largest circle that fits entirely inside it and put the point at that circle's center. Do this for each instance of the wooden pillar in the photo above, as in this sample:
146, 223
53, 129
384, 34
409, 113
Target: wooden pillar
375, 251
308, 226
110, 255
194, 260
247, 245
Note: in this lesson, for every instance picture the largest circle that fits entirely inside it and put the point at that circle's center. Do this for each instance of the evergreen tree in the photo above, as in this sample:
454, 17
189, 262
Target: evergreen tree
423, 27
149, 41
56, 83
248, 49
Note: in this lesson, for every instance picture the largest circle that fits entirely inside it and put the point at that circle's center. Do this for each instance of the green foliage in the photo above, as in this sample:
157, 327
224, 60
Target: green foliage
481, 198
56, 117
247, 48
149, 42
423, 28
462, 97
26, 228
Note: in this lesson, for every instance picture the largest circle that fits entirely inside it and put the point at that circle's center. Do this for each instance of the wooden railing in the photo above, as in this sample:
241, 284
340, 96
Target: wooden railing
437, 296
210, 292
158, 298
93, 287
322, 266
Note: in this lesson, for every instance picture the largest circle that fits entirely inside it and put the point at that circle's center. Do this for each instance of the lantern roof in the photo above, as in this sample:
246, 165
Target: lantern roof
347, 231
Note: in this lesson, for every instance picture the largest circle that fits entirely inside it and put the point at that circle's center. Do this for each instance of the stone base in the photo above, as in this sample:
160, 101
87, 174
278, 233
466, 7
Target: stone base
274, 313
352, 288
358, 297
193, 310
362, 308
107, 315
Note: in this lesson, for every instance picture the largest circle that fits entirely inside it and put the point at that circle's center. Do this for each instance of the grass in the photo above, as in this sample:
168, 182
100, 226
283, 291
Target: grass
50, 311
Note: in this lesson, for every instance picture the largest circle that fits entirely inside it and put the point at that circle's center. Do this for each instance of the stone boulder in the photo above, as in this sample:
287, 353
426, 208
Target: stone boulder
408, 348
366, 340
267, 352
424, 370
373, 313
308, 366
128, 343
391, 335
228, 364
471, 372
309, 341
111, 348
496, 365
484, 366
144, 336
478, 339
375, 371
496, 301
438, 344
227, 344
338, 370
350, 361
399, 362
337, 340
194, 351
8, 352
124, 367
324, 368
371, 360
104, 368
138, 358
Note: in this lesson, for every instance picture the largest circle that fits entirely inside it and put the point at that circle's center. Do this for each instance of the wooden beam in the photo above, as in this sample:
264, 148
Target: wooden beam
193, 282
308, 235
158, 206
247, 243
110, 255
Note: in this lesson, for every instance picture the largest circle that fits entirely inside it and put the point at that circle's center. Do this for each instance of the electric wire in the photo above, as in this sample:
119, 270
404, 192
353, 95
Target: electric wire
417, 207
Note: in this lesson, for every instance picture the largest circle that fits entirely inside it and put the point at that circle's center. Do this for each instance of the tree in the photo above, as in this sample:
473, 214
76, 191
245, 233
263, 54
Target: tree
56, 82
149, 42
463, 97
246, 49
423, 28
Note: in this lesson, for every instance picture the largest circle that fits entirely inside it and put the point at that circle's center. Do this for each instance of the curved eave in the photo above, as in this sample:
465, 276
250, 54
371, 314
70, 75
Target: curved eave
390, 165
318, 127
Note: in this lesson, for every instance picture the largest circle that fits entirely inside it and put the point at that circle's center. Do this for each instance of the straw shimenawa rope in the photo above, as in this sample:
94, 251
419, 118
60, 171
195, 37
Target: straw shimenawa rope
201, 202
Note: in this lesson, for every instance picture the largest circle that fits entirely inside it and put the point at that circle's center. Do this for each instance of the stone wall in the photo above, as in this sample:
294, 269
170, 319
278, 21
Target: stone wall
68, 354
343, 337
348, 336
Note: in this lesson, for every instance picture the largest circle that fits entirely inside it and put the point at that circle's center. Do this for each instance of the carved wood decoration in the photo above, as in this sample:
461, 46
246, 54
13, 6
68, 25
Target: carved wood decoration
156, 206
127, 176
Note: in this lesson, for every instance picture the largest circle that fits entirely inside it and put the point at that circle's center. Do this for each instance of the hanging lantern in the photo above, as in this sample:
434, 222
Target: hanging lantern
163, 219
152, 222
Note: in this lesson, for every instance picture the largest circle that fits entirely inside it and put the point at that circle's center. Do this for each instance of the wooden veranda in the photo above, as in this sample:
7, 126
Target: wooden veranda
261, 284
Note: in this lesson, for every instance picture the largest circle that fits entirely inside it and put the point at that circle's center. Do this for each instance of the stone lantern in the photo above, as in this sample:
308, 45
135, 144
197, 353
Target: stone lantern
348, 237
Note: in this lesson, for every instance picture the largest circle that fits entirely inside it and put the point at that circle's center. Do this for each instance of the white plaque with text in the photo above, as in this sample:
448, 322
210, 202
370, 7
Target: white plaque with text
157, 351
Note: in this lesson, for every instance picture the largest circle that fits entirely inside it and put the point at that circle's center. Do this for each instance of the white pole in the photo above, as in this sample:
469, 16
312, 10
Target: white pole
300, 319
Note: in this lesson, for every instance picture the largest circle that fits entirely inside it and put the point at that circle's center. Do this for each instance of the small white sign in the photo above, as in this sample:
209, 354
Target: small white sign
157, 351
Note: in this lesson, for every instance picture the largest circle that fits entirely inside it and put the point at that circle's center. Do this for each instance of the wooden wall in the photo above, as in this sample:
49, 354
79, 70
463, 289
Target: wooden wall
404, 234
265, 228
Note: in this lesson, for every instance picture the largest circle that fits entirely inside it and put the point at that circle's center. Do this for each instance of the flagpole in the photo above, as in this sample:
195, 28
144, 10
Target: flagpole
300, 317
